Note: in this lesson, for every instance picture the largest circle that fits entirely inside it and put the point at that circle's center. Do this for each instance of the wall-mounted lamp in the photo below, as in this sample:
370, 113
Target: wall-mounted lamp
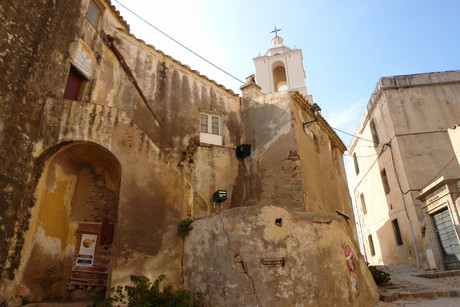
316, 110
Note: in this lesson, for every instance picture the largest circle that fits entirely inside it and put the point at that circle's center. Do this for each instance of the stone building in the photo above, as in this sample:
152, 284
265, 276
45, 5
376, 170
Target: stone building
454, 134
107, 144
401, 155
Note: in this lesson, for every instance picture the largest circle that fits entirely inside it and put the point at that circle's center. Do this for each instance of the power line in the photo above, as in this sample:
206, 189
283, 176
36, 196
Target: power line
183, 46
436, 176
358, 137
373, 155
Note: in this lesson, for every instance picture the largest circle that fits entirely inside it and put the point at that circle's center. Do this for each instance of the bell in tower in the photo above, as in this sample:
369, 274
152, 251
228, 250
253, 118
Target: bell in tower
280, 68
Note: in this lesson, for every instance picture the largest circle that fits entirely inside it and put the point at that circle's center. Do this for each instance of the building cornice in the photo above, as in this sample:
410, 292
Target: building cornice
302, 102
398, 82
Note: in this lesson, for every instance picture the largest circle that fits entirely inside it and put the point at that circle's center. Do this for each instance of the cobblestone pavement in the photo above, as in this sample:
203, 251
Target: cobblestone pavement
411, 286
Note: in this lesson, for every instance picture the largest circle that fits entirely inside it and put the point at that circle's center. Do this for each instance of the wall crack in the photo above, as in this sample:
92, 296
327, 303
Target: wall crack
238, 259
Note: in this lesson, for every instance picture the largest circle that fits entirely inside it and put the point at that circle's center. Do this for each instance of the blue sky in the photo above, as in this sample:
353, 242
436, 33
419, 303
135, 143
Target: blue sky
347, 45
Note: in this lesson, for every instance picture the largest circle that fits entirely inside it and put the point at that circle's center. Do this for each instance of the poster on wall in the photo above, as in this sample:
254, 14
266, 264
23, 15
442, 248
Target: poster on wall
83, 58
86, 253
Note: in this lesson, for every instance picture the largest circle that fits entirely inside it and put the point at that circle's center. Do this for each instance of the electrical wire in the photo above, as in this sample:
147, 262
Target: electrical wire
373, 155
436, 176
227, 73
369, 168
358, 137
207, 61
183, 46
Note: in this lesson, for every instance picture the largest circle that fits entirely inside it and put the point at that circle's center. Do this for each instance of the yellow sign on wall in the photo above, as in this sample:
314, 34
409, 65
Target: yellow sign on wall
83, 58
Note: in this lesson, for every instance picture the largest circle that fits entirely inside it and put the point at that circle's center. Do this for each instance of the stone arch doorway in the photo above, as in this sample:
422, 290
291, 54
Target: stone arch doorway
72, 225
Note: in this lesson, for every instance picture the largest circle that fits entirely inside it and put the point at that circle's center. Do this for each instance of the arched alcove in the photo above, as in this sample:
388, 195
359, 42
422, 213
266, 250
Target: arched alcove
68, 246
279, 76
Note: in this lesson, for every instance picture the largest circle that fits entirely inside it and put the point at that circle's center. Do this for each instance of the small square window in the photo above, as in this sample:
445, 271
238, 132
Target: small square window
94, 13
375, 136
397, 232
210, 123
355, 161
210, 128
386, 185
371, 245
363, 203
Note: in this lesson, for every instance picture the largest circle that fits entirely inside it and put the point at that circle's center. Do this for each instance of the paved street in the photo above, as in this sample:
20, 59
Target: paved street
409, 288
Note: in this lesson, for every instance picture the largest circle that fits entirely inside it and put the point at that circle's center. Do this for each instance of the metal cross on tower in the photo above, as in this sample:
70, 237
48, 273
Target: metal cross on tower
276, 31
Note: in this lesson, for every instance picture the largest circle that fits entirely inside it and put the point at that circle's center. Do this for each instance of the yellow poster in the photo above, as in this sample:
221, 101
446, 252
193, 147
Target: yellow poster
83, 58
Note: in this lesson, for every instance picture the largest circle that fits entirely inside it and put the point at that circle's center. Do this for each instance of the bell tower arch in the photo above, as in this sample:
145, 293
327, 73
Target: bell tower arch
280, 68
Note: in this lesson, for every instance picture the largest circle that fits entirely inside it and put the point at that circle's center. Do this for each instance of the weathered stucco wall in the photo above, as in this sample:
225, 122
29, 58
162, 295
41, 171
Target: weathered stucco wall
299, 167
270, 256
157, 187
31, 51
271, 175
320, 153
411, 115
127, 151
79, 183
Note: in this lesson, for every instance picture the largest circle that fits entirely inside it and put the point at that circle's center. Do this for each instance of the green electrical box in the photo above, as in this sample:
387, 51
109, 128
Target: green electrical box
220, 196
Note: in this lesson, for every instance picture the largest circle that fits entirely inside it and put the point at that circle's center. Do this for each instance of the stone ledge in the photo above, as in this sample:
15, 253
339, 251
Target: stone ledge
428, 294
389, 297
439, 274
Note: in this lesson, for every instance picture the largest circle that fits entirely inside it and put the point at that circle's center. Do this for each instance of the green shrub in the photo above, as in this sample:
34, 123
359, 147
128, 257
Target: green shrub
184, 227
143, 292
381, 278
25, 300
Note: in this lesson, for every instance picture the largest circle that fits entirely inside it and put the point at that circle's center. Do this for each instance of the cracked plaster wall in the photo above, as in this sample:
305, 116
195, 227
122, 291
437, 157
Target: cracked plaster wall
157, 186
228, 257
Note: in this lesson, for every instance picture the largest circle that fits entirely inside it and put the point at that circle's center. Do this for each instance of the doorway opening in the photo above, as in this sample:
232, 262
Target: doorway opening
73, 223
447, 239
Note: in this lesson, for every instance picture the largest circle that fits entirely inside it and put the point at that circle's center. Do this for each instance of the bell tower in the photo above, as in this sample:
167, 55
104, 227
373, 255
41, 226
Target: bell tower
280, 68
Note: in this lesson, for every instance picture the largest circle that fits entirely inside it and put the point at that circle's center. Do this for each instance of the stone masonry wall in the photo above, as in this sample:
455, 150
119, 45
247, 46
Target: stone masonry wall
31, 51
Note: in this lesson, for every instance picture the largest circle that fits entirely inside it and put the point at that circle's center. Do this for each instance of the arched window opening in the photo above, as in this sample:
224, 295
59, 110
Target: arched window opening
375, 136
363, 203
279, 77
355, 161
371, 245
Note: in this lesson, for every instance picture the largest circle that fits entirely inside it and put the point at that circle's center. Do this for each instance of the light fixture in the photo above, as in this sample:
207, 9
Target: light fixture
316, 110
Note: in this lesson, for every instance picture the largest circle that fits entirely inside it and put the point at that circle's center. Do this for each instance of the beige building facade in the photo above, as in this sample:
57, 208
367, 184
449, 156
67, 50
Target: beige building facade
401, 147
107, 144
454, 134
